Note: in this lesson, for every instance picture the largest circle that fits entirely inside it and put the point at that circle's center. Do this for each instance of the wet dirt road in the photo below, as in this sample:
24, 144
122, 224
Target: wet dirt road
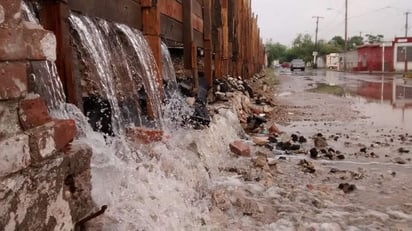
353, 173
367, 118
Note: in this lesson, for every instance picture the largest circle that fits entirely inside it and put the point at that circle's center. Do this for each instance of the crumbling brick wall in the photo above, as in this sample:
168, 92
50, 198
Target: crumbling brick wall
44, 178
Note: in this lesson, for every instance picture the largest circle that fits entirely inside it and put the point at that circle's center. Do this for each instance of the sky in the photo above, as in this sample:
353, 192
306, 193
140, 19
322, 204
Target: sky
282, 20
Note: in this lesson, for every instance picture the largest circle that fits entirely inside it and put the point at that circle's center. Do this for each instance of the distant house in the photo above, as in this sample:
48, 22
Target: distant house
352, 60
402, 52
370, 58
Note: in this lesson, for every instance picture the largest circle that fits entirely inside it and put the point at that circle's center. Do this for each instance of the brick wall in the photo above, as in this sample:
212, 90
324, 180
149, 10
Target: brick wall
36, 157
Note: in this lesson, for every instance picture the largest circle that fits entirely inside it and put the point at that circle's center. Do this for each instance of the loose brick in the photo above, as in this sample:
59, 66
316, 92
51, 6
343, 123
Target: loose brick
33, 113
9, 119
12, 46
239, 148
42, 143
11, 11
14, 154
40, 43
144, 135
64, 132
13, 80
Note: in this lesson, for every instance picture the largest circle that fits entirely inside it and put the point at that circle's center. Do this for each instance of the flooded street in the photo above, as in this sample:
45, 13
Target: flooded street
357, 178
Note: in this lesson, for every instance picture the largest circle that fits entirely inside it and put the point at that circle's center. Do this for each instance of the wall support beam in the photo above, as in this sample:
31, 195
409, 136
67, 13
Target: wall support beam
53, 17
151, 32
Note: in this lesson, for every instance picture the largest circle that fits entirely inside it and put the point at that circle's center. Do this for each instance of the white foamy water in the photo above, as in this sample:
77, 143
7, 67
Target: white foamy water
161, 186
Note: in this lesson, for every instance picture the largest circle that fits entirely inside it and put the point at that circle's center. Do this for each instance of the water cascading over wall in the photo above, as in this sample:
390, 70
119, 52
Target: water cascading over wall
168, 71
118, 75
43, 77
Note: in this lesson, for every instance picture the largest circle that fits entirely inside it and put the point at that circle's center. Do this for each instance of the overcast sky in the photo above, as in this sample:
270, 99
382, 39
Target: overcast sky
282, 20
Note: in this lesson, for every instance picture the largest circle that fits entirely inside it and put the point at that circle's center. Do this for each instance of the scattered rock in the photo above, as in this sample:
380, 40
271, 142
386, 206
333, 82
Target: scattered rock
307, 166
340, 157
320, 142
260, 162
302, 139
294, 147
313, 153
346, 187
273, 138
294, 137
273, 129
403, 150
399, 160
221, 200
260, 140
239, 148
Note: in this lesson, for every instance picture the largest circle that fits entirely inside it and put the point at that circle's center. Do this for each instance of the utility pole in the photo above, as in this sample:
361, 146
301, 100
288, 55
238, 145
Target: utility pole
346, 35
316, 34
315, 52
406, 24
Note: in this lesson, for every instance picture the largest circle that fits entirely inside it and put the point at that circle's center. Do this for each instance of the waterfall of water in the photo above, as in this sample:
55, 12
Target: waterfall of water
43, 76
168, 71
119, 68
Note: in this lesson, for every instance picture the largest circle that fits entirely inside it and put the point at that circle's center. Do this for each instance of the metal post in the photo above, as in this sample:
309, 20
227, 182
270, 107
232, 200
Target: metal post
346, 35
316, 40
406, 25
383, 57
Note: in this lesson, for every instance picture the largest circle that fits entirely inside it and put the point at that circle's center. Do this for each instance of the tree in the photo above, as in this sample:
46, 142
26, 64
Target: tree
374, 38
275, 51
338, 41
327, 48
302, 47
355, 41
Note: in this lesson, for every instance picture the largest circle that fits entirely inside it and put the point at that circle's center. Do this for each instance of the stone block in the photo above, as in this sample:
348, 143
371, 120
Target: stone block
51, 137
34, 199
64, 132
14, 154
10, 11
33, 112
77, 182
40, 43
9, 119
78, 156
273, 129
260, 140
13, 79
239, 148
42, 143
144, 135
12, 45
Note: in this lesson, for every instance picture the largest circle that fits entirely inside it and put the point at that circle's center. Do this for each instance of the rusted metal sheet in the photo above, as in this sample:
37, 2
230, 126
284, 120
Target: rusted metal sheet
171, 8
171, 29
187, 33
197, 23
198, 38
207, 37
197, 8
122, 11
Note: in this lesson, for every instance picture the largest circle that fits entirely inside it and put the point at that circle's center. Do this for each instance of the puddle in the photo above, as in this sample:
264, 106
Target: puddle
383, 99
329, 89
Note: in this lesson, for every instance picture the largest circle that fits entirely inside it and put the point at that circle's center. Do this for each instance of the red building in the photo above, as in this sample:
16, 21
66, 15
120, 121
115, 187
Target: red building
370, 58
